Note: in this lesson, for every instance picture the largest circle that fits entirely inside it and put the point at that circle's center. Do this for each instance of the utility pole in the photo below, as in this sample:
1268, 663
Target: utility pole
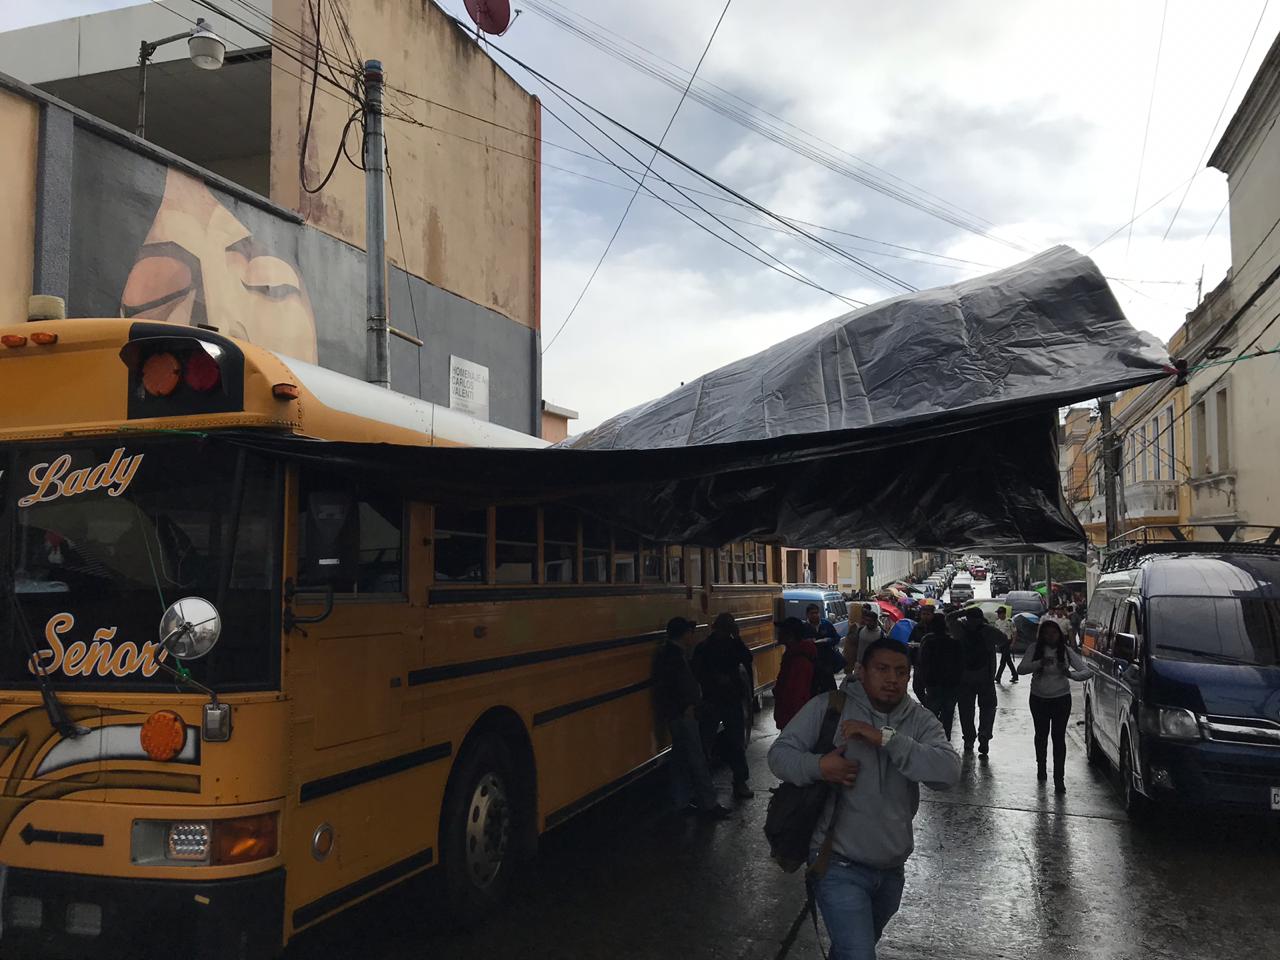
377, 330
1109, 471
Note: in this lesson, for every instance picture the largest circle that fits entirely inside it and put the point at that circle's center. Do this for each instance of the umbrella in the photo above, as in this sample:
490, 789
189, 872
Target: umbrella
902, 630
894, 613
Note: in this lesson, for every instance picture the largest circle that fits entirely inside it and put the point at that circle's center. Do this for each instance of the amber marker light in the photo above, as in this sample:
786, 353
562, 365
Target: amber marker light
163, 735
13, 340
244, 839
44, 338
160, 374
284, 391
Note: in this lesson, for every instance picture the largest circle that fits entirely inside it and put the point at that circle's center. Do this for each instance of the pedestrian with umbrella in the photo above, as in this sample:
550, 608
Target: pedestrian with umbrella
1052, 665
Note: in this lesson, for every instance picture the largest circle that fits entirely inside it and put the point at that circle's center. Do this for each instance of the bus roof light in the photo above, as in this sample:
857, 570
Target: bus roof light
284, 391
44, 338
13, 340
202, 372
160, 374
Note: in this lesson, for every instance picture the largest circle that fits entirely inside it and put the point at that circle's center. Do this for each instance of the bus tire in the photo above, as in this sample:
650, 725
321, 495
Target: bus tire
478, 830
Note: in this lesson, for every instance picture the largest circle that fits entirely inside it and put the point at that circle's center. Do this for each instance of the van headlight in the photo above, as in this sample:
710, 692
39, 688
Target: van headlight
1170, 723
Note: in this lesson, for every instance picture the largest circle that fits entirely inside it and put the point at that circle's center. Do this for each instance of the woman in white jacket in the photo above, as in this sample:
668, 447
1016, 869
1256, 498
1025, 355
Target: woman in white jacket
1052, 665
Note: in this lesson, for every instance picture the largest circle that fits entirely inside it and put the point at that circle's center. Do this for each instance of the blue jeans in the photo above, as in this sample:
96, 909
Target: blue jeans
690, 775
856, 902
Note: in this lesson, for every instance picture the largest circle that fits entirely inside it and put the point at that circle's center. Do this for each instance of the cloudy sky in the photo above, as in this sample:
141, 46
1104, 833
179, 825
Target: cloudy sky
1025, 120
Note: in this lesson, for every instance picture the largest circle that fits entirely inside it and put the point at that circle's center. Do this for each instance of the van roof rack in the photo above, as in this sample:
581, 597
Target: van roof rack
829, 587
1126, 550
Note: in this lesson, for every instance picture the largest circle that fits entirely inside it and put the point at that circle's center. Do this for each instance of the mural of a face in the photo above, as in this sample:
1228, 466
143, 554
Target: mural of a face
199, 264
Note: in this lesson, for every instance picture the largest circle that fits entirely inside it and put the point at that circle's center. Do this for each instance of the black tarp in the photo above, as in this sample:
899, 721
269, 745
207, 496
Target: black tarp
928, 421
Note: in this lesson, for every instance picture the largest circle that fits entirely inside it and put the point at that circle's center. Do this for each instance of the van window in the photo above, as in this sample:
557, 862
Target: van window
1097, 624
1215, 629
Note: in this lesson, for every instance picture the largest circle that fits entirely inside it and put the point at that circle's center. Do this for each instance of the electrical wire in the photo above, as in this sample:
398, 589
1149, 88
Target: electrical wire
1213, 129
1151, 102
640, 183
404, 263
907, 193
566, 95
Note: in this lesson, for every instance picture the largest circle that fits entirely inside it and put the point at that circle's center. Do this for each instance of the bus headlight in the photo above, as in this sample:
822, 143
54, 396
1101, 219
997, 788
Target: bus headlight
204, 842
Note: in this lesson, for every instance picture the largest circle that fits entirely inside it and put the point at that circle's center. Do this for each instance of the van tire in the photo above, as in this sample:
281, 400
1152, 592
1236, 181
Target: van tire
1136, 805
1092, 748
478, 841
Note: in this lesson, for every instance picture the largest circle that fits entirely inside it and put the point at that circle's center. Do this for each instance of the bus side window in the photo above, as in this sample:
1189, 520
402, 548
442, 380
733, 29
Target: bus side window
675, 564
461, 541
651, 568
595, 550
626, 547
695, 567
515, 552
374, 520
559, 545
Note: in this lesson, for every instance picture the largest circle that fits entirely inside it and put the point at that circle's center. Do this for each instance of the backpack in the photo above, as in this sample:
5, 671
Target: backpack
794, 811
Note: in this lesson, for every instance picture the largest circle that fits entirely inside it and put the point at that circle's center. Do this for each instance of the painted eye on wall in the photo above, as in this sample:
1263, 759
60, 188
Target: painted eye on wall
272, 277
155, 286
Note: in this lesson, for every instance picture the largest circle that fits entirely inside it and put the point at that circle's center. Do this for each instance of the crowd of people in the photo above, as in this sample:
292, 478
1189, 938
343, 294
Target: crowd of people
886, 743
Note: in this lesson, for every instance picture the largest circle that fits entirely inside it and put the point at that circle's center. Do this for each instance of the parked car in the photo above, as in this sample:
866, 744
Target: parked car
796, 600
979, 573
1023, 601
961, 589
922, 590
1183, 646
1000, 584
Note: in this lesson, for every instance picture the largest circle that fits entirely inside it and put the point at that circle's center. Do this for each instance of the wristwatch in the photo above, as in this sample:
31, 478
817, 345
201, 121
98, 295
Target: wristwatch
886, 734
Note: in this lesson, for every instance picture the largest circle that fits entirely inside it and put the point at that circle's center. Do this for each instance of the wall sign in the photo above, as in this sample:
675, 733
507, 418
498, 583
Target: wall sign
469, 388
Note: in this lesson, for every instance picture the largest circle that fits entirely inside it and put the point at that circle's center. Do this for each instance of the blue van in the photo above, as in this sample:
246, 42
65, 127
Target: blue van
1183, 645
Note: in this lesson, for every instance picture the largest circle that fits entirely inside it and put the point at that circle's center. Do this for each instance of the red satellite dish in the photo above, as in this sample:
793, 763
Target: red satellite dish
491, 16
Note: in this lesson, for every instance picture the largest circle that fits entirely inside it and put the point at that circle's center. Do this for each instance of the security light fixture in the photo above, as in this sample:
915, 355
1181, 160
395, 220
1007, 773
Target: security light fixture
205, 47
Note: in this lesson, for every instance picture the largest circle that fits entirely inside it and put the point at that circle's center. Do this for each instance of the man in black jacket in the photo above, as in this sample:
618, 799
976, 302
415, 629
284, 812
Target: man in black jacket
941, 668
719, 663
978, 642
677, 699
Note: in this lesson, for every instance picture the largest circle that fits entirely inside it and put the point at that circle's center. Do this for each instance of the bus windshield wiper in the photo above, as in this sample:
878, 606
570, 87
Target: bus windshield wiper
58, 718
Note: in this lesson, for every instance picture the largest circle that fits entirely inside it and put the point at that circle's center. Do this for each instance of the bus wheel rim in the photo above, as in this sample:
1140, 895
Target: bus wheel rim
488, 830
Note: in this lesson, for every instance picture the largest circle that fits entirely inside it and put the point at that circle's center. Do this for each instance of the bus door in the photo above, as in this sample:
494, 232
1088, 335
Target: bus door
349, 649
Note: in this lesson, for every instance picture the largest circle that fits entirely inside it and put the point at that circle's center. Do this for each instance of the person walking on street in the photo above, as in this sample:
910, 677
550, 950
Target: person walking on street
1052, 665
941, 668
885, 747
1005, 626
978, 642
719, 663
677, 700
807, 669
819, 628
869, 631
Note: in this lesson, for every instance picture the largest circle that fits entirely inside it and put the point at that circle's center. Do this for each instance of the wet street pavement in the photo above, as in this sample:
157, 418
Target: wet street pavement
1002, 869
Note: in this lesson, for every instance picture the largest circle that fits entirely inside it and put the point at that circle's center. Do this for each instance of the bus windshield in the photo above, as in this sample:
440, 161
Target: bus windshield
1216, 629
97, 538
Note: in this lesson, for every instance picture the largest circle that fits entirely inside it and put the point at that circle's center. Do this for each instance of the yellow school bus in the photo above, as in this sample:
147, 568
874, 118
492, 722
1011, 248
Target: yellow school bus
241, 692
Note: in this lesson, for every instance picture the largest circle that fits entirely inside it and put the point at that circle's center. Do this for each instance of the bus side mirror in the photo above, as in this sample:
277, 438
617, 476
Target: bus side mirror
332, 538
1125, 647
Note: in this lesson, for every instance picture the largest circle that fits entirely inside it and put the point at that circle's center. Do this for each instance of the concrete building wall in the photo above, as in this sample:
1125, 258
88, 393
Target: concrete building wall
469, 211
19, 123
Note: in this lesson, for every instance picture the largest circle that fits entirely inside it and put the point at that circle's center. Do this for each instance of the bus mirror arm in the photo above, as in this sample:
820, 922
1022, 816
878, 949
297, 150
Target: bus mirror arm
291, 619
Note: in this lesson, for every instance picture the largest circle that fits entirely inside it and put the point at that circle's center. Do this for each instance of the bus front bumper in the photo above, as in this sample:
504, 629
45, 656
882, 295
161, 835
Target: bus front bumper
71, 916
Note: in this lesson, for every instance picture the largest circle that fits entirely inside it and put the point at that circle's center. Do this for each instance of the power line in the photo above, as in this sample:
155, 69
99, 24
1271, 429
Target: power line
1142, 158
640, 183
563, 93
907, 194
1213, 129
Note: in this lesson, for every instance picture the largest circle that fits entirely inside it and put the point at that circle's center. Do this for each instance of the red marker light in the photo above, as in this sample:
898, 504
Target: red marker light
13, 340
202, 372
44, 339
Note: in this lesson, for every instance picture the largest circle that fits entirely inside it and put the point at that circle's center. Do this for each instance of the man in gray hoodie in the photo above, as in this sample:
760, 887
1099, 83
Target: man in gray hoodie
886, 745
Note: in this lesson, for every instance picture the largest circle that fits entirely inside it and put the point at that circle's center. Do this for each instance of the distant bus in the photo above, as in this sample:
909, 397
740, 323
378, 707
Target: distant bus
393, 685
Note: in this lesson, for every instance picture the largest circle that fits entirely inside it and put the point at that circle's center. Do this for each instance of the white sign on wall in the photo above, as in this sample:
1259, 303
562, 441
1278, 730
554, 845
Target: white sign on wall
469, 388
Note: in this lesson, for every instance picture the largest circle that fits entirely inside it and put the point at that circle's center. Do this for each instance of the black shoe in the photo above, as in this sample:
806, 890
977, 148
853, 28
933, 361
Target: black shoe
1059, 788
968, 746
1015, 679
984, 748
1041, 774
715, 813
